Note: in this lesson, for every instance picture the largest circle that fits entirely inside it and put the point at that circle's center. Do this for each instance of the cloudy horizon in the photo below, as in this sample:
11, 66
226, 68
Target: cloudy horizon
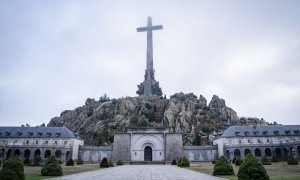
56, 54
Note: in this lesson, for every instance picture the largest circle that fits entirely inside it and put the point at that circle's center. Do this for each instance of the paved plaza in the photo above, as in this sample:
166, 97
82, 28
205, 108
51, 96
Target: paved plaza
140, 172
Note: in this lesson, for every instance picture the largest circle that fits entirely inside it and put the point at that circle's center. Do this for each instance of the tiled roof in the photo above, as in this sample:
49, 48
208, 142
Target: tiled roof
262, 130
40, 132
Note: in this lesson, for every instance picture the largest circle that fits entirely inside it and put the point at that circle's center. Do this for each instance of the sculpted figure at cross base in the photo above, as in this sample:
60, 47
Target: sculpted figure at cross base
150, 87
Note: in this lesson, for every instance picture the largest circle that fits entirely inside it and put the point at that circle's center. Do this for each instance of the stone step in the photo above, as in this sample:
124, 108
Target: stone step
146, 162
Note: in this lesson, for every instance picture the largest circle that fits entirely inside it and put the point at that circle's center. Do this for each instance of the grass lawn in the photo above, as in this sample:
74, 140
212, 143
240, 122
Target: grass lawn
276, 171
34, 172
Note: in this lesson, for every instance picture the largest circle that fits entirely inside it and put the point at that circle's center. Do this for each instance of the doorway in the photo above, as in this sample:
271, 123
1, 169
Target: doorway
148, 153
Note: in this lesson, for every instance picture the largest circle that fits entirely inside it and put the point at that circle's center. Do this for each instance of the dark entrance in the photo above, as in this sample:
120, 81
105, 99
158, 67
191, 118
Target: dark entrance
148, 153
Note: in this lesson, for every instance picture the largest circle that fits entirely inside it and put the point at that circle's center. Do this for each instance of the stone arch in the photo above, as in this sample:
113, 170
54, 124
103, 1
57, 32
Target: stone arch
68, 155
37, 152
58, 154
285, 153
47, 153
27, 154
2, 153
148, 153
151, 139
227, 154
246, 151
17, 152
237, 153
278, 153
257, 152
9, 153
268, 152
292, 151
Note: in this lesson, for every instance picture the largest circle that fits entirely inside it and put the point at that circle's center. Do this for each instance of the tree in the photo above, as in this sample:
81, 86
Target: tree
292, 161
13, 169
119, 162
52, 167
43, 125
223, 167
104, 98
104, 163
37, 159
274, 158
197, 141
251, 169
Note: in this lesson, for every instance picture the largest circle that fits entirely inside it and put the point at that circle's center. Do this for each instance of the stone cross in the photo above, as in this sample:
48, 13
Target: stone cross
149, 29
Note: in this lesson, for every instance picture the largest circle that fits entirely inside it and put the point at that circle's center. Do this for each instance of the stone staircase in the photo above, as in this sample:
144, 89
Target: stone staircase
146, 162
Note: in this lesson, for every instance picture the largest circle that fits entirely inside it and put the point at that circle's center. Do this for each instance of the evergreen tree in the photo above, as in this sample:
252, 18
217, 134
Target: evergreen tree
223, 167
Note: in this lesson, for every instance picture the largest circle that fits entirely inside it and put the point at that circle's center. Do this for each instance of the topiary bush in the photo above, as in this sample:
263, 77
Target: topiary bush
119, 162
27, 161
174, 162
104, 163
252, 169
183, 162
292, 161
59, 161
37, 159
79, 162
13, 169
223, 167
274, 158
110, 164
70, 162
238, 161
265, 161
52, 167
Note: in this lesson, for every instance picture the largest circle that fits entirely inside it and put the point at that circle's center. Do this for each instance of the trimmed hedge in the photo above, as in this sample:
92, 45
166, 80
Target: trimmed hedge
104, 163
274, 158
79, 162
238, 161
13, 169
265, 161
52, 167
70, 162
37, 159
183, 162
174, 162
292, 161
120, 163
252, 169
110, 164
223, 167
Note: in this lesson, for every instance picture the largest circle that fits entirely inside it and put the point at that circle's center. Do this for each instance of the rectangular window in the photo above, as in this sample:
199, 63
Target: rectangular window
249, 141
27, 142
240, 141
46, 142
36, 142
268, 140
230, 142
66, 142
258, 140
55, 142
287, 141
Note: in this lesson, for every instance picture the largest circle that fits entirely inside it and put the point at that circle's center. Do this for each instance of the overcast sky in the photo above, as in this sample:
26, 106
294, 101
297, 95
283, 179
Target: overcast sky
56, 54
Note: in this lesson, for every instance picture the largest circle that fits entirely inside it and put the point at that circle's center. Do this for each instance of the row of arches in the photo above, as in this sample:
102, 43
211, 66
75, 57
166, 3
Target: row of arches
27, 154
281, 153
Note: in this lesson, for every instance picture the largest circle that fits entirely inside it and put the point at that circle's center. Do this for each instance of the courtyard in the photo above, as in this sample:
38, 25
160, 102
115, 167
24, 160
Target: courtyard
276, 171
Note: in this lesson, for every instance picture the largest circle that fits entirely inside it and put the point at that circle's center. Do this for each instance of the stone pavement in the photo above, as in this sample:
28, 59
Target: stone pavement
140, 172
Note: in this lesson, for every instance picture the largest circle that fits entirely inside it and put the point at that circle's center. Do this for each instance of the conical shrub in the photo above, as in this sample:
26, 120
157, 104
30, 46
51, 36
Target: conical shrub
223, 167
251, 169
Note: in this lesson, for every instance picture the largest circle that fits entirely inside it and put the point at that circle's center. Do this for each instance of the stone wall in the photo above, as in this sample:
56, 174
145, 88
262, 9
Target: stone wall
121, 147
174, 146
200, 153
94, 154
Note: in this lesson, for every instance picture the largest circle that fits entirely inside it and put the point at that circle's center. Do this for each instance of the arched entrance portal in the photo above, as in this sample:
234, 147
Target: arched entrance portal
148, 153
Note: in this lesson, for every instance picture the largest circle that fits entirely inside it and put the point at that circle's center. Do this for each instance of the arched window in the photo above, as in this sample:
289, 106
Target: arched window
257, 152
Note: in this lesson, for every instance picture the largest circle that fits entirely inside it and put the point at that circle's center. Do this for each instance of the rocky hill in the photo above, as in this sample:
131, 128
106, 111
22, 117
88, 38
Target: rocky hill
97, 121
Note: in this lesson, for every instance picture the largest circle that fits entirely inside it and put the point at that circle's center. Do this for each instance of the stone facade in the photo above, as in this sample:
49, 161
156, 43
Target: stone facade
281, 140
27, 142
200, 153
121, 147
174, 146
90, 154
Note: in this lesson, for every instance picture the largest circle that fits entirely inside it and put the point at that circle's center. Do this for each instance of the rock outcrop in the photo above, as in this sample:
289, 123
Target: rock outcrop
97, 121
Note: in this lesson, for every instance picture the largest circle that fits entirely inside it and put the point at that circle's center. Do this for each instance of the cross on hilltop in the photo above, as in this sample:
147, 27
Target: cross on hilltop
150, 87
